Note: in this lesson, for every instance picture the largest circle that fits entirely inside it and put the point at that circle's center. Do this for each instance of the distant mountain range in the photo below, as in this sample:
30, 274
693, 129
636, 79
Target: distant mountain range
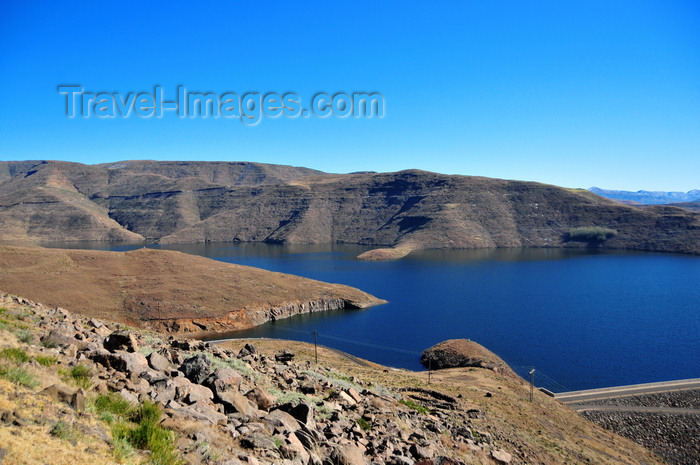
649, 197
199, 202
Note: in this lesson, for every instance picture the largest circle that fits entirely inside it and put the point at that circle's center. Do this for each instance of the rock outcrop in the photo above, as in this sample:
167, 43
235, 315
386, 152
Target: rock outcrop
456, 353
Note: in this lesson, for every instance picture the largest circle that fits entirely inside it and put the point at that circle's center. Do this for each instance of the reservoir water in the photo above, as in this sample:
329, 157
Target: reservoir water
583, 319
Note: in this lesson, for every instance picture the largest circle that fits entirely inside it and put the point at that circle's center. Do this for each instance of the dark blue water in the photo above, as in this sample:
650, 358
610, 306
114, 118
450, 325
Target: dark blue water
583, 319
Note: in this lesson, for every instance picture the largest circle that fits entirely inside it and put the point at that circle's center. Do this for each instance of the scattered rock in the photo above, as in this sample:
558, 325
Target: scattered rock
501, 456
285, 356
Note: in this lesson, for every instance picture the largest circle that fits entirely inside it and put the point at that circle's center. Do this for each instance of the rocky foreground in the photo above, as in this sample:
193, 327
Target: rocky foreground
79, 390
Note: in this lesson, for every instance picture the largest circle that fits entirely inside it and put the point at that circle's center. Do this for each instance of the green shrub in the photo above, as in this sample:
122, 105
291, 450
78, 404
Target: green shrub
46, 361
115, 405
18, 375
81, 376
25, 337
15, 354
146, 434
414, 406
364, 424
148, 412
591, 234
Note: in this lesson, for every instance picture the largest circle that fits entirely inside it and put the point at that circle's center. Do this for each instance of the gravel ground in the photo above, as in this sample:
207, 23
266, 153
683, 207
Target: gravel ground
680, 399
676, 438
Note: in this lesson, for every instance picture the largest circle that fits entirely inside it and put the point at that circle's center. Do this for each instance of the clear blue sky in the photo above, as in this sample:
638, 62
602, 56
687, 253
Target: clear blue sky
571, 93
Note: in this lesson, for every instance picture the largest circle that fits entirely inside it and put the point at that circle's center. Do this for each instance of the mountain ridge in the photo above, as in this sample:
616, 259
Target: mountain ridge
199, 202
645, 197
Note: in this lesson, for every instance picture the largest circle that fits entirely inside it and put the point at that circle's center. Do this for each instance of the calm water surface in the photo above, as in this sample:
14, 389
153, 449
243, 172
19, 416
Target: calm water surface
583, 319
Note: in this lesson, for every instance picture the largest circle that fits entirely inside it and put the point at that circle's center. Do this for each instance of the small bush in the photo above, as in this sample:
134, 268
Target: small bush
25, 337
62, 430
49, 342
81, 376
148, 412
46, 361
591, 234
115, 405
146, 434
18, 375
15, 354
121, 449
364, 424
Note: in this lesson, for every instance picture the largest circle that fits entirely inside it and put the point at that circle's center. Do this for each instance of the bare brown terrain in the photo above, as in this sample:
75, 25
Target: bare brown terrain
394, 213
167, 290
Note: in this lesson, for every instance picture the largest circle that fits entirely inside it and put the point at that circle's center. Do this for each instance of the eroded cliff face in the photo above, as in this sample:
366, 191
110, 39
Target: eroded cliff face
251, 317
182, 202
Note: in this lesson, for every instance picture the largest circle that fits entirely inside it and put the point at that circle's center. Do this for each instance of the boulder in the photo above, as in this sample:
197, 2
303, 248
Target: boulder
121, 340
62, 393
347, 454
282, 422
258, 441
196, 368
248, 349
501, 456
223, 379
301, 412
285, 356
260, 397
233, 401
159, 362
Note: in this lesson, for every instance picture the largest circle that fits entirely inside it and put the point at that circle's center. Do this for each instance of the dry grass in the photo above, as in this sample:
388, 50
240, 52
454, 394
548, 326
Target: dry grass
33, 443
150, 285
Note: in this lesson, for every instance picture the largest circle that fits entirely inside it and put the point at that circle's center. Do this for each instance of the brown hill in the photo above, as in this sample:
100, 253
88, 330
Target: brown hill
167, 290
458, 353
184, 202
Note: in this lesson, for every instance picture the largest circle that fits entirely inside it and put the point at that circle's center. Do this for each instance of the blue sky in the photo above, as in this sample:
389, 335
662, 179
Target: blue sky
569, 93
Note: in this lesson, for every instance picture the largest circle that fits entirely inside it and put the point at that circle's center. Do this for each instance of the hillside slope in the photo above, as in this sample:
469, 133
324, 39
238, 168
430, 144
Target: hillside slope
183, 202
166, 290
265, 402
